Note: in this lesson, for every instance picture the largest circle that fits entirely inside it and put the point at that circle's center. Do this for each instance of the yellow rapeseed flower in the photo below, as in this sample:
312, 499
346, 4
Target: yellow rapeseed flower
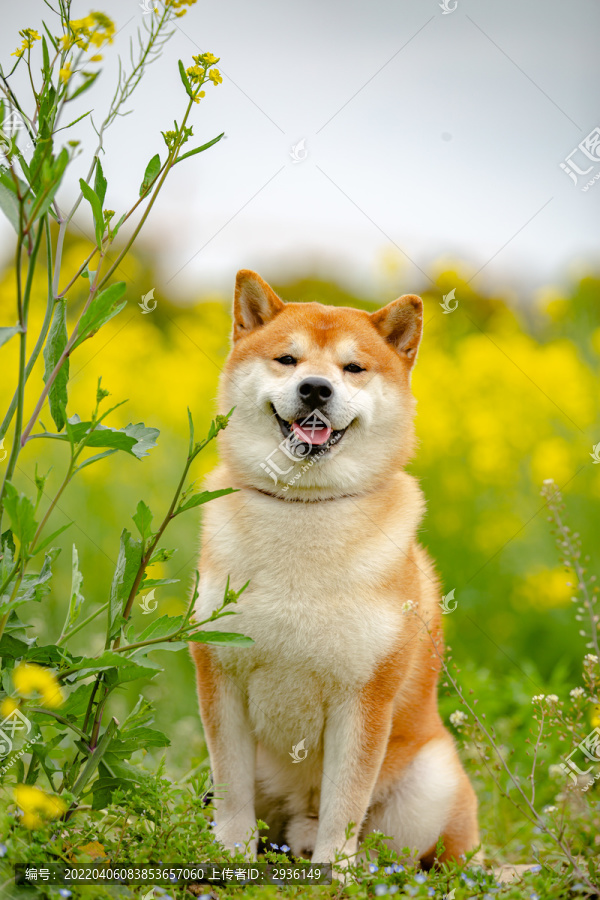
179, 6
215, 76
199, 96
195, 74
29, 678
95, 29
8, 706
37, 806
208, 59
29, 35
65, 73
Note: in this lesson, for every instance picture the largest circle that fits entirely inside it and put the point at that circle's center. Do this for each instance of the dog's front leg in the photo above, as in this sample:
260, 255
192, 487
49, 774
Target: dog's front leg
232, 750
355, 741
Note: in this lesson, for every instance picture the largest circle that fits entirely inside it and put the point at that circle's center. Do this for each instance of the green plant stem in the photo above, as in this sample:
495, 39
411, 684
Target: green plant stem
22, 310
53, 503
62, 358
153, 543
181, 631
80, 625
86, 262
42, 336
14, 593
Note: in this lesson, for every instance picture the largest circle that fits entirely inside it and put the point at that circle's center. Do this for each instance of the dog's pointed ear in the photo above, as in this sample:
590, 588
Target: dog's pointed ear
400, 323
255, 303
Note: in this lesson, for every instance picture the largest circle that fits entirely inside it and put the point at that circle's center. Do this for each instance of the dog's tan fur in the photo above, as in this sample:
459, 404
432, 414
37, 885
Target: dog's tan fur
340, 659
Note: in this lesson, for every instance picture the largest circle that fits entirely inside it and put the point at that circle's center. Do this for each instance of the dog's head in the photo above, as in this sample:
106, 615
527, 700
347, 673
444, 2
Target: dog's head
323, 406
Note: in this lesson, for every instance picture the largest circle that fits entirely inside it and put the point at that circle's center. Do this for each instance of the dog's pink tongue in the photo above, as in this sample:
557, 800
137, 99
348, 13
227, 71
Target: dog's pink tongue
312, 434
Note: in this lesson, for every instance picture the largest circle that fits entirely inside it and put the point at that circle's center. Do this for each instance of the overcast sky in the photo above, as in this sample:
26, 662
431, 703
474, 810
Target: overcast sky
426, 134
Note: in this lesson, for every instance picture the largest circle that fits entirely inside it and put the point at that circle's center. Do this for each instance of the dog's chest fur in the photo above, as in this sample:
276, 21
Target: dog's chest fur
317, 606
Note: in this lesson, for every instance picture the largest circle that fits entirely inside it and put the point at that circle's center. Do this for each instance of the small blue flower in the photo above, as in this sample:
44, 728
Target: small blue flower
237, 846
393, 889
381, 889
388, 870
537, 868
275, 846
431, 892
534, 896
3, 849
373, 868
65, 892
284, 848
204, 897
213, 823
421, 878
397, 867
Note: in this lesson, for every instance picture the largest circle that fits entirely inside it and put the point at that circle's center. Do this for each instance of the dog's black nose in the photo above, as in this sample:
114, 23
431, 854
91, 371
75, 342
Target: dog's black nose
315, 391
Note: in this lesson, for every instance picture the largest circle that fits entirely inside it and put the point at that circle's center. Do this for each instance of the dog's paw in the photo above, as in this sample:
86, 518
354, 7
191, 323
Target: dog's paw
301, 835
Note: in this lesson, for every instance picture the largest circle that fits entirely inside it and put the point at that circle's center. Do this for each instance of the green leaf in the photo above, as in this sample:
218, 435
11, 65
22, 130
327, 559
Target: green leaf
220, 637
52, 176
150, 175
21, 513
102, 308
161, 627
77, 599
125, 669
7, 333
55, 345
96, 458
157, 582
128, 563
77, 701
9, 203
134, 439
143, 520
200, 149
51, 655
89, 79
202, 497
161, 555
95, 202
185, 79
43, 151
12, 648
35, 586
45, 58
191, 426
94, 760
100, 180
47, 541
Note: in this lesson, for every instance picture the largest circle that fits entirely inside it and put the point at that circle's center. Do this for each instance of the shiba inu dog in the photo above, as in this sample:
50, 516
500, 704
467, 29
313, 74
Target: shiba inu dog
330, 717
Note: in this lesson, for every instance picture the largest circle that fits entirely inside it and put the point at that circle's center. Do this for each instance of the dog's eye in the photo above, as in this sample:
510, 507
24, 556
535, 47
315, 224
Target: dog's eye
353, 367
286, 360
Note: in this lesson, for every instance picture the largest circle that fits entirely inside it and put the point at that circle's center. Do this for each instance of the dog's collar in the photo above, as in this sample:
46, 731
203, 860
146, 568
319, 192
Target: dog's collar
301, 500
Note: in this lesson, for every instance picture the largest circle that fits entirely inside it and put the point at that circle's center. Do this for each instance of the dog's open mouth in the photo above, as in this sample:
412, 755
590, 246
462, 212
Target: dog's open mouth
310, 436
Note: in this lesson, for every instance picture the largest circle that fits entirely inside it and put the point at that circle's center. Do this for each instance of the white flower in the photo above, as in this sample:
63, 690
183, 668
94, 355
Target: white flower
550, 809
458, 718
589, 659
555, 771
577, 692
406, 607
538, 698
551, 698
